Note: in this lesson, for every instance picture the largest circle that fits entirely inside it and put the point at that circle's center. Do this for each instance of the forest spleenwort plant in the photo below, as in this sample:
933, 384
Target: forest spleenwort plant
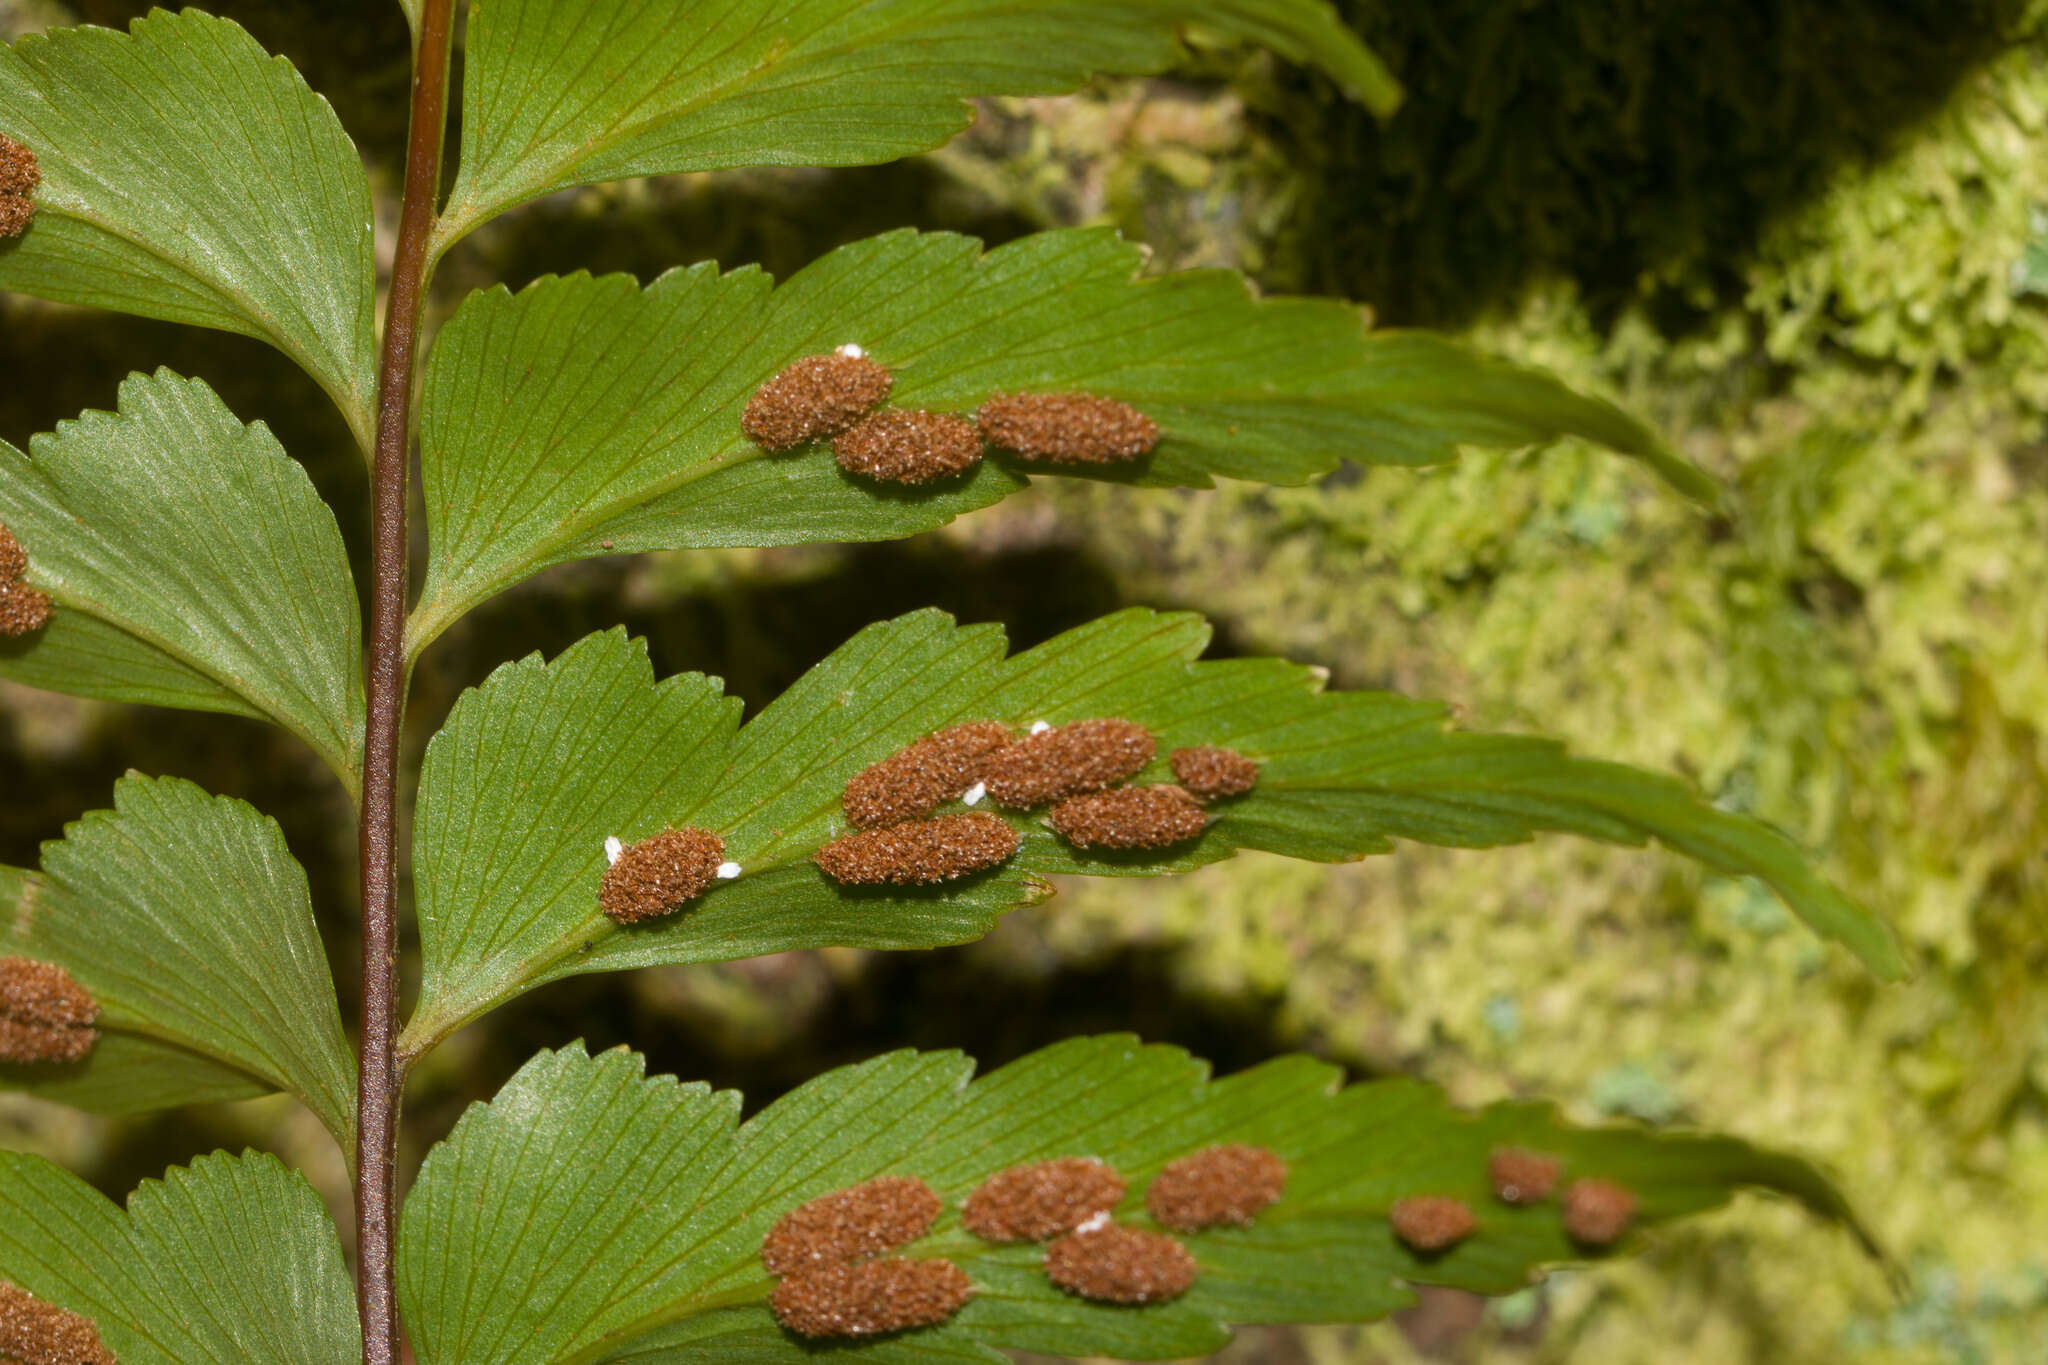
580, 814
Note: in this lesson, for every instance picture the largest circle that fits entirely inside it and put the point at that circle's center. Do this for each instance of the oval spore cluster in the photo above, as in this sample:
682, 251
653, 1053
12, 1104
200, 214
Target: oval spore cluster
660, 874
1042, 1200
1068, 428
45, 1015
1076, 769
38, 1332
813, 398
23, 609
841, 1269
1221, 1186
20, 175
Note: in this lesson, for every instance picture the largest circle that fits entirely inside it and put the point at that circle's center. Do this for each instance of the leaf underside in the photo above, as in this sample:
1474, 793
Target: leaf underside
232, 1261
558, 93
191, 564
188, 175
543, 762
588, 416
588, 1213
189, 921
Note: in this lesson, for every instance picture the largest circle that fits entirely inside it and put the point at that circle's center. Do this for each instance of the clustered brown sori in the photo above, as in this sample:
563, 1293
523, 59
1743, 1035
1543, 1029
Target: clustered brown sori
1068, 428
22, 608
1042, 1200
830, 1285
45, 1016
815, 397
19, 177
1067, 760
837, 395
1070, 1201
38, 1332
836, 1279
1074, 768
913, 782
919, 852
660, 874
1228, 1184
1595, 1213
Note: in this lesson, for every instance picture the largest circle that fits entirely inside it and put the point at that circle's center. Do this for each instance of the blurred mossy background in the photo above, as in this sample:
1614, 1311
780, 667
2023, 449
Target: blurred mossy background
1809, 238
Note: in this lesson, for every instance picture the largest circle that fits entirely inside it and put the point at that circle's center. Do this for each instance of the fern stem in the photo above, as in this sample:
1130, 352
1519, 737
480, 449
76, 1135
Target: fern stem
380, 1079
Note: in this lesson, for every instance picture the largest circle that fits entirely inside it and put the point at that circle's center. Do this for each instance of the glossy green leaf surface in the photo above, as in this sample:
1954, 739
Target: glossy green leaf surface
189, 921
189, 175
191, 564
232, 1261
589, 416
567, 92
543, 762
589, 1213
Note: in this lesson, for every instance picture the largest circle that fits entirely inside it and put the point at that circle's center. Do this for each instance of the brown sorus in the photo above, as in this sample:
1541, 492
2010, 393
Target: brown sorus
23, 610
1044, 1199
1129, 817
1217, 1185
13, 558
1520, 1176
38, 1332
660, 874
1067, 760
904, 445
1597, 1212
1210, 772
913, 781
919, 852
19, 177
1116, 1264
1432, 1222
815, 397
45, 1016
872, 1297
1068, 428
862, 1220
